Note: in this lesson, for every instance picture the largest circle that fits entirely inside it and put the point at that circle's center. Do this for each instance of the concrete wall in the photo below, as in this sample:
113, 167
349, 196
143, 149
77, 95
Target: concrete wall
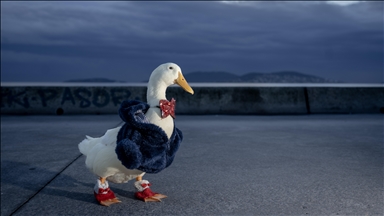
346, 100
253, 99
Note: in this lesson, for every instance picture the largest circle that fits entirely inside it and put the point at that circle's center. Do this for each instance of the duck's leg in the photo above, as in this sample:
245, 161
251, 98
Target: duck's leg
144, 192
103, 194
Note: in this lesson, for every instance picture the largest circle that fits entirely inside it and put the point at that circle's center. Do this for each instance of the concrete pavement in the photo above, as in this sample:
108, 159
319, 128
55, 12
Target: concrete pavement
227, 165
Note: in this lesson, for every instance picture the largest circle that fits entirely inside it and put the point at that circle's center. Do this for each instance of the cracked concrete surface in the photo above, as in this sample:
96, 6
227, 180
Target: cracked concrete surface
226, 165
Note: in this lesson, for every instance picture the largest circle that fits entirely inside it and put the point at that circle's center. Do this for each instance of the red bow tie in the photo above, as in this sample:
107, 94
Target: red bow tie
167, 108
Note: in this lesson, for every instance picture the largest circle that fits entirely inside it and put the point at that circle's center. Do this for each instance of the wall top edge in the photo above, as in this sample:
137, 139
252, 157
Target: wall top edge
67, 84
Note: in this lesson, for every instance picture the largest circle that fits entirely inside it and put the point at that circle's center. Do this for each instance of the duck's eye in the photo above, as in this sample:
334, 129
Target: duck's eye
170, 68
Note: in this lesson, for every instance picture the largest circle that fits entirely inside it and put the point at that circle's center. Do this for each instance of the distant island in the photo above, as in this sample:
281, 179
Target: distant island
276, 77
94, 80
226, 77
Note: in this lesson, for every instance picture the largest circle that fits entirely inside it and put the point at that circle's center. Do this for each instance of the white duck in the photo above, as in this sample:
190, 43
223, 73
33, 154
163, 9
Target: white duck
100, 154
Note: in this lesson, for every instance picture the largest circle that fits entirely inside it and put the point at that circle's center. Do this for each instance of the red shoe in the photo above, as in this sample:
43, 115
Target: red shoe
145, 193
104, 195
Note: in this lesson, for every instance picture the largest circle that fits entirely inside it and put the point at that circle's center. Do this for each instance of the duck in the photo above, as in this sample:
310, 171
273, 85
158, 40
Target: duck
117, 158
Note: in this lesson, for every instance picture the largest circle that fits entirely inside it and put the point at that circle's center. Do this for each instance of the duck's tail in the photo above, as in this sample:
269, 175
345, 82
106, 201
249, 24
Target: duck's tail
87, 144
109, 138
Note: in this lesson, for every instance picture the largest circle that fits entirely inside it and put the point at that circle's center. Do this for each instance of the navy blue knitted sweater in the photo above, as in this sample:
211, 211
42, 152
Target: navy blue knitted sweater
142, 145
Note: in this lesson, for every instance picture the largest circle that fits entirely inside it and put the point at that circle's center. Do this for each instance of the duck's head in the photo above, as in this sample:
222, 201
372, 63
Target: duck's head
168, 74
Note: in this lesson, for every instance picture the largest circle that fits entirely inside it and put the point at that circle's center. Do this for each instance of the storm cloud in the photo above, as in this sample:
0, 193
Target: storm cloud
57, 41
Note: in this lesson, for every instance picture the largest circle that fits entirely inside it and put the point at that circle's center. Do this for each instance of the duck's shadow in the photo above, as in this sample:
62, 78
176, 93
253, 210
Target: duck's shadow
26, 176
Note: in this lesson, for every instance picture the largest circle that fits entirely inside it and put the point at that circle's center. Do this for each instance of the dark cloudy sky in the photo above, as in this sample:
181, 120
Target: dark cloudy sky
57, 41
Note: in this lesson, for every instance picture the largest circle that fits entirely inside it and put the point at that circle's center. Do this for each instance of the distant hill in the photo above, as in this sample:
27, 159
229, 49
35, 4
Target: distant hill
94, 80
222, 76
217, 76
276, 77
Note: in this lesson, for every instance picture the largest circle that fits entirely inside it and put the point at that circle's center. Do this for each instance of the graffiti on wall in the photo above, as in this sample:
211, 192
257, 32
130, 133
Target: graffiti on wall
78, 97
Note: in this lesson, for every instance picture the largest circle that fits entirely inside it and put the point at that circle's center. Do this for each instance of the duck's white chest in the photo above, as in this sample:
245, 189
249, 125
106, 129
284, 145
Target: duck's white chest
154, 116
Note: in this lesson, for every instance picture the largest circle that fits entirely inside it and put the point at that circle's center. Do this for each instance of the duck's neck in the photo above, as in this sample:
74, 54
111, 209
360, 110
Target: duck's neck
155, 92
